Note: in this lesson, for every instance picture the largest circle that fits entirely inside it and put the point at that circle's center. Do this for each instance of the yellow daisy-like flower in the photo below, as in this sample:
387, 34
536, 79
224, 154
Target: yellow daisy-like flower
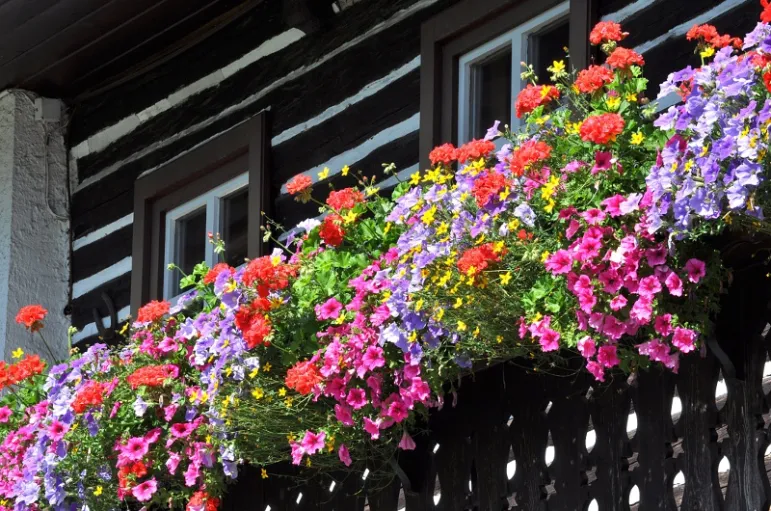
415, 179
98, 491
707, 52
324, 173
429, 216
254, 372
258, 393
267, 367
631, 97
544, 255
461, 326
505, 278
18, 353
264, 473
282, 392
288, 402
637, 138
344, 171
458, 303
350, 217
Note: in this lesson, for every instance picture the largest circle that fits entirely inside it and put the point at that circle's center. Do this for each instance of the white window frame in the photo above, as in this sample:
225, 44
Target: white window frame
212, 201
517, 40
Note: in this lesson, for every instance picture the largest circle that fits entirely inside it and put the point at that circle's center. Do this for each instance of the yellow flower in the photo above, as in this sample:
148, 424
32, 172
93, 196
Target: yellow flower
291, 437
350, 217
475, 333
631, 97
428, 216
413, 336
258, 393
18, 353
254, 372
707, 52
499, 339
288, 402
461, 326
98, 491
549, 206
458, 303
439, 315
344, 171
307, 462
557, 66
613, 102
637, 138
124, 328
419, 305
514, 224
504, 194
282, 392
229, 371
264, 473
324, 173
415, 179
267, 367
544, 255
505, 278
442, 228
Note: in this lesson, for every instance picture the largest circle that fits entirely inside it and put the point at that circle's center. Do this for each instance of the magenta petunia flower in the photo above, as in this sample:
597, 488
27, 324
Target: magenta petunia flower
135, 449
328, 310
560, 262
344, 455
5, 414
357, 398
683, 339
406, 443
313, 442
606, 355
587, 347
372, 427
57, 430
696, 270
674, 284
145, 490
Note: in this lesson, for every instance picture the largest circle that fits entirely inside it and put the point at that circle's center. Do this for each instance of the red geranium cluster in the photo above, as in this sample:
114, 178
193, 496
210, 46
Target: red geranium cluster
298, 184
302, 377
606, 31
92, 394
332, 231
479, 258
268, 274
202, 501
255, 326
534, 96
708, 35
488, 186
212, 274
31, 316
31, 365
593, 78
528, 153
602, 129
128, 475
153, 311
444, 153
152, 376
344, 199
474, 150
765, 16
623, 58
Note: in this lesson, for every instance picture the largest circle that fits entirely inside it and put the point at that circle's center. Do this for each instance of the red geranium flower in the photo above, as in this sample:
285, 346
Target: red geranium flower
152, 376
255, 326
444, 153
708, 34
202, 501
767, 80
31, 316
602, 129
474, 150
92, 394
152, 311
298, 184
527, 154
488, 186
268, 274
623, 58
302, 377
534, 96
765, 16
605, 31
344, 199
593, 78
479, 258
332, 231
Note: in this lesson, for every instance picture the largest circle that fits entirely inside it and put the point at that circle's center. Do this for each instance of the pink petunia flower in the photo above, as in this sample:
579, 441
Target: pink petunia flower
406, 443
5, 414
663, 324
357, 398
596, 369
684, 339
613, 205
559, 262
328, 310
145, 490
618, 302
594, 216
603, 160
344, 455
649, 286
313, 442
587, 347
606, 355
550, 340
57, 430
372, 427
373, 358
696, 270
344, 415
674, 284
173, 462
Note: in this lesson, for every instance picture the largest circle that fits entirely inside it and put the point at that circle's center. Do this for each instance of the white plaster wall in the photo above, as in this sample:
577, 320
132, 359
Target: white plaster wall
34, 225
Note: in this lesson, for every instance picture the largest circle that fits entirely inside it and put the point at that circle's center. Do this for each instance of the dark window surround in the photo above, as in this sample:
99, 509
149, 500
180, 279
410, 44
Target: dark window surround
243, 148
465, 26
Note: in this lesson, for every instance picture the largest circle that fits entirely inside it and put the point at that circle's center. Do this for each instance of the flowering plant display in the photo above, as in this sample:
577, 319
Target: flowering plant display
578, 240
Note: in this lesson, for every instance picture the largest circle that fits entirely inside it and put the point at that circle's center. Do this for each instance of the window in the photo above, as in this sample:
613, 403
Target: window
218, 187
221, 210
489, 75
471, 56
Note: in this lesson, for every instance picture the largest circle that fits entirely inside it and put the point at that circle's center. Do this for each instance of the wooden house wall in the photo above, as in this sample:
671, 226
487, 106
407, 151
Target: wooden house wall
347, 93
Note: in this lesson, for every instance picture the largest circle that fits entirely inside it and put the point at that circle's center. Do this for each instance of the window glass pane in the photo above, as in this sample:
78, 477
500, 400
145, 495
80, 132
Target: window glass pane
491, 92
547, 46
234, 226
189, 244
